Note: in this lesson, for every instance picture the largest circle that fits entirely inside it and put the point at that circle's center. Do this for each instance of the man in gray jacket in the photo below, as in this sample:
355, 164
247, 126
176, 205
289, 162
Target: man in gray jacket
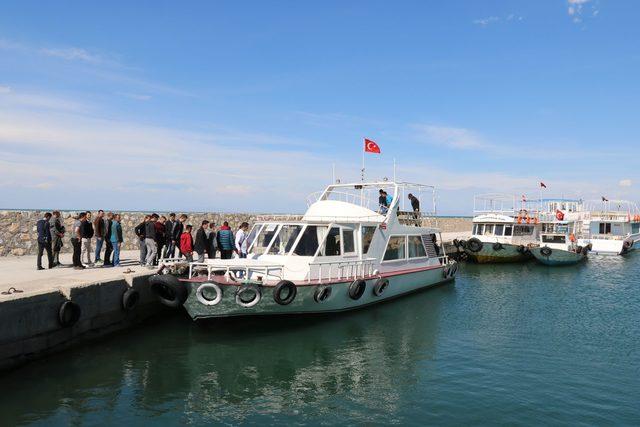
150, 240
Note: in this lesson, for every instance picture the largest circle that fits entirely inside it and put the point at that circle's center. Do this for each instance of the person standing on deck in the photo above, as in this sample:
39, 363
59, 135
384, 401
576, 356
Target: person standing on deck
242, 240
186, 243
201, 240
170, 249
382, 201
76, 241
140, 231
225, 240
57, 233
178, 229
389, 199
160, 237
150, 240
108, 250
87, 234
99, 231
116, 239
415, 207
212, 244
44, 240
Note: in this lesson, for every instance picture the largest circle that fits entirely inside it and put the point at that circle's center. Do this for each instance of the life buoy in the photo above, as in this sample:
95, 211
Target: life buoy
463, 244
546, 251
356, 289
68, 313
572, 238
474, 244
130, 299
380, 286
248, 295
528, 218
522, 249
168, 289
287, 287
202, 294
559, 215
519, 219
579, 249
497, 246
585, 250
322, 293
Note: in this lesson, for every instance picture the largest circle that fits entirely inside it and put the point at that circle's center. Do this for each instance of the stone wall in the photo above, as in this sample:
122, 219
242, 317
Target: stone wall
18, 234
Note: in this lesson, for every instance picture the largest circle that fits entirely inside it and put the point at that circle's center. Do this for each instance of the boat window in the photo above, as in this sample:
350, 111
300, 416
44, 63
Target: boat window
635, 228
522, 230
395, 248
550, 238
508, 230
285, 239
488, 229
605, 228
252, 234
310, 240
498, 230
348, 241
367, 236
263, 239
416, 248
332, 243
480, 229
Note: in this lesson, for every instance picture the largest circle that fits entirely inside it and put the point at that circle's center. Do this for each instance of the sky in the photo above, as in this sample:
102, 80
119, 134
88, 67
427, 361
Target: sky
246, 106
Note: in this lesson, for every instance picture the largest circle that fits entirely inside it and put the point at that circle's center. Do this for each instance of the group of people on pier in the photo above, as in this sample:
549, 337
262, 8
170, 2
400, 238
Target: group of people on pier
158, 237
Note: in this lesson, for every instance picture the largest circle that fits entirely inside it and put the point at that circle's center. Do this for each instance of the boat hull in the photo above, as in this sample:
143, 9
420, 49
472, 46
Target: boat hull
558, 257
612, 247
304, 302
508, 253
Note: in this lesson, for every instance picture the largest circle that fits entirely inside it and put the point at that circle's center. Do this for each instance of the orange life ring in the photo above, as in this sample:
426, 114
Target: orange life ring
572, 238
528, 219
519, 219
559, 215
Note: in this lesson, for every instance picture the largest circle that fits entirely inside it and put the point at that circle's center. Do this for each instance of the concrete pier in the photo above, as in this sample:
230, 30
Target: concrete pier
29, 315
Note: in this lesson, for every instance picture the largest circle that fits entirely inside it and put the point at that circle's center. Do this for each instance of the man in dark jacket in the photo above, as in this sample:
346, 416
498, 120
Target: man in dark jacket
44, 240
86, 233
99, 230
107, 240
212, 244
161, 232
140, 232
201, 243
170, 250
57, 233
178, 229
76, 240
226, 243
150, 239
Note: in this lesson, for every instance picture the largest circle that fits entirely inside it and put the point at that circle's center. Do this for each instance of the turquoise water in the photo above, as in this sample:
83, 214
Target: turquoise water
509, 344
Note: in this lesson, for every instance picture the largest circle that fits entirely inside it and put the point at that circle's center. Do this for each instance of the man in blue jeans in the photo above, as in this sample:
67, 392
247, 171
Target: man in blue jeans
99, 231
116, 239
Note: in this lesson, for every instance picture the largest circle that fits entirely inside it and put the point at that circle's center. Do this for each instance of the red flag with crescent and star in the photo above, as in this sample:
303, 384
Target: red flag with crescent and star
371, 147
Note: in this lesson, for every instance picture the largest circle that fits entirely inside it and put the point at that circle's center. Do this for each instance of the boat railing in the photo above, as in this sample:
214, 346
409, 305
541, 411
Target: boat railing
238, 271
356, 198
416, 218
324, 271
606, 237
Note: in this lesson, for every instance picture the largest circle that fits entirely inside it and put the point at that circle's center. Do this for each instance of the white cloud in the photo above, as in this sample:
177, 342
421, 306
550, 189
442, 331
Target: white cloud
4, 89
452, 137
135, 96
625, 183
72, 54
483, 22
575, 9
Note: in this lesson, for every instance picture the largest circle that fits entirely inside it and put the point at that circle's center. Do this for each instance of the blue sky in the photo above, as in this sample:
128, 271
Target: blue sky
244, 106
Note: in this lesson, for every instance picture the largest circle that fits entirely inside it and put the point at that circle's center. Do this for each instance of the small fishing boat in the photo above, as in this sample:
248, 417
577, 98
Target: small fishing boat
558, 242
345, 253
611, 227
502, 229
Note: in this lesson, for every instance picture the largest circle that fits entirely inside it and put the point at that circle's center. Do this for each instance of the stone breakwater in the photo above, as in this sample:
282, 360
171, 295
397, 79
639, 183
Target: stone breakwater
18, 234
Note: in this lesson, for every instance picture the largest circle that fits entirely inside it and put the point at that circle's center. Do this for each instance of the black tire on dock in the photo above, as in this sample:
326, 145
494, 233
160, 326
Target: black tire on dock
288, 288
357, 288
380, 286
130, 299
168, 289
497, 246
69, 313
463, 244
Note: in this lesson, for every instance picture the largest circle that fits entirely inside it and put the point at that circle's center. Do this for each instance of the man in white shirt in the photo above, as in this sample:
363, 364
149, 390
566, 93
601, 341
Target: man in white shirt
241, 240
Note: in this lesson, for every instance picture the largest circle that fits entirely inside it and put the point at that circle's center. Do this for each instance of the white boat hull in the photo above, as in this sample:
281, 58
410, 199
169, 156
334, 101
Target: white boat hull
612, 247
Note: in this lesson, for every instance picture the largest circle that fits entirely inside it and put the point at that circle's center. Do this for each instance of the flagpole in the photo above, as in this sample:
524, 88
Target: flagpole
333, 173
362, 174
394, 169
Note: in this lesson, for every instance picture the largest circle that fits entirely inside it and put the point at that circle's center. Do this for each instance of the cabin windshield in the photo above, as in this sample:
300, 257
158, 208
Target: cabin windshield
310, 240
285, 239
263, 238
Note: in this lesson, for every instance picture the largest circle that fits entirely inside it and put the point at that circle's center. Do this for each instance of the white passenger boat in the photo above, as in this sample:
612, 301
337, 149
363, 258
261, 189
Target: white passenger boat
611, 227
346, 252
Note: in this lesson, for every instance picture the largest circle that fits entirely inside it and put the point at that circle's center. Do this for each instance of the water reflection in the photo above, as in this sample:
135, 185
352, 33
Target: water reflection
238, 371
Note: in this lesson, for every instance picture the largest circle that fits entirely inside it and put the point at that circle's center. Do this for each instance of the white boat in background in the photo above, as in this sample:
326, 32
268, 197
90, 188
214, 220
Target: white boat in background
346, 252
611, 227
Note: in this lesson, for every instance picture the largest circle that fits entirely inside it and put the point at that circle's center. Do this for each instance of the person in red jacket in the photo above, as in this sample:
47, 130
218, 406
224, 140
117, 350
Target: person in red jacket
186, 243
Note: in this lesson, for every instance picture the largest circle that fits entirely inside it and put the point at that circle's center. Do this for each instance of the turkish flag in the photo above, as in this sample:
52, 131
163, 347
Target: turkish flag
370, 146
542, 184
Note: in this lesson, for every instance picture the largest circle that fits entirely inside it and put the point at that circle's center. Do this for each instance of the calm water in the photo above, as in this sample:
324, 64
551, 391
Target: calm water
519, 344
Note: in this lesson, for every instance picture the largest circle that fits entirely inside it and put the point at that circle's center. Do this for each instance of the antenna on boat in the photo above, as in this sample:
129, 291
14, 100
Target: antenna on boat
394, 170
333, 173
